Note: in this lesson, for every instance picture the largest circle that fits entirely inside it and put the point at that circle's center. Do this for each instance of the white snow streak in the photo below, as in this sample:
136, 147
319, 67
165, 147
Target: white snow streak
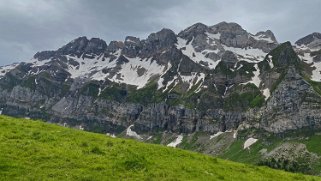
176, 142
111, 135
270, 61
235, 134
262, 37
193, 79
249, 142
161, 79
99, 91
219, 133
131, 133
266, 93
216, 134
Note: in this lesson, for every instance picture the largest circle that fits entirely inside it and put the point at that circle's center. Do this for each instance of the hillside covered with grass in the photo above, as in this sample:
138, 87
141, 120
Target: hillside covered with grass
34, 150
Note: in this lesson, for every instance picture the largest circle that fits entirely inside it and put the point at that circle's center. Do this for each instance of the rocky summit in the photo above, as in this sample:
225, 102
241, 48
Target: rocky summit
184, 89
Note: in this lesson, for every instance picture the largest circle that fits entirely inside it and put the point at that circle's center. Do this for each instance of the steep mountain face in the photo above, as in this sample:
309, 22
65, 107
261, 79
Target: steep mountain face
204, 79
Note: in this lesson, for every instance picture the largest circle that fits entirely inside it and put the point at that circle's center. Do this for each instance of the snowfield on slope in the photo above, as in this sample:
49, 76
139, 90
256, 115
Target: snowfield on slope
251, 55
129, 71
316, 73
255, 79
176, 142
197, 57
6, 69
249, 142
131, 133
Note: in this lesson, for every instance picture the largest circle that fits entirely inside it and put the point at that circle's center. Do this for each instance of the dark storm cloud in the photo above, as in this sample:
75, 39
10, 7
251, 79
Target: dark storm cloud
28, 26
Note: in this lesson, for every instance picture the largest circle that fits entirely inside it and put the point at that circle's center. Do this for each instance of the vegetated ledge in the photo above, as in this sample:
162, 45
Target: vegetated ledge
34, 150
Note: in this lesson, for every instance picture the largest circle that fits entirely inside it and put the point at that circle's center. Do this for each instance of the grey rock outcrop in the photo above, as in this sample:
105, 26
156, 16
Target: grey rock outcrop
293, 105
312, 40
190, 95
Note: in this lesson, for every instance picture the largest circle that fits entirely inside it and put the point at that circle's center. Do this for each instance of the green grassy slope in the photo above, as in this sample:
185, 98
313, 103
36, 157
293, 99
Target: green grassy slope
33, 150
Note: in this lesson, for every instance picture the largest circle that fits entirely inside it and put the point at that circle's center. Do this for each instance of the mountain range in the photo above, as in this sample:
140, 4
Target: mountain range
208, 89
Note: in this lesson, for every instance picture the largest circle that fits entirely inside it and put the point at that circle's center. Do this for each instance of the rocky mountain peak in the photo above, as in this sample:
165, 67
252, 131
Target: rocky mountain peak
76, 47
193, 31
284, 55
312, 41
96, 46
43, 55
164, 37
114, 46
132, 40
132, 46
158, 42
83, 45
197, 27
205, 79
268, 34
225, 27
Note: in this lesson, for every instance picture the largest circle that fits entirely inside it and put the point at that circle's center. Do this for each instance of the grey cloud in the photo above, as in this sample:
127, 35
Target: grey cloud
35, 25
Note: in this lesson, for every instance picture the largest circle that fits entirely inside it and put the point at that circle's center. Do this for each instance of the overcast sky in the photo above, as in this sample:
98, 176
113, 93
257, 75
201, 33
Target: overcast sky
28, 26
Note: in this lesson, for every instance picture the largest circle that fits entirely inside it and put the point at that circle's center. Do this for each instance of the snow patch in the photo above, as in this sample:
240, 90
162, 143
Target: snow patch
38, 63
169, 83
262, 37
235, 134
161, 79
255, 79
87, 66
216, 134
266, 93
251, 55
128, 73
226, 89
176, 142
129, 40
99, 91
249, 142
1, 111
212, 36
193, 79
219, 133
81, 127
111, 135
239, 67
6, 69
316, 75
197, 57
270, 61
131, 133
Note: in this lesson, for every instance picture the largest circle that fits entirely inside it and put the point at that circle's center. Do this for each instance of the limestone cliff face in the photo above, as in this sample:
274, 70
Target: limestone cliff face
205, 79
293, 105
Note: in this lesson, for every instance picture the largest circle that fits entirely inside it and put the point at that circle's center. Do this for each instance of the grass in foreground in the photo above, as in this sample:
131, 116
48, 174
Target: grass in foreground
33, 150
